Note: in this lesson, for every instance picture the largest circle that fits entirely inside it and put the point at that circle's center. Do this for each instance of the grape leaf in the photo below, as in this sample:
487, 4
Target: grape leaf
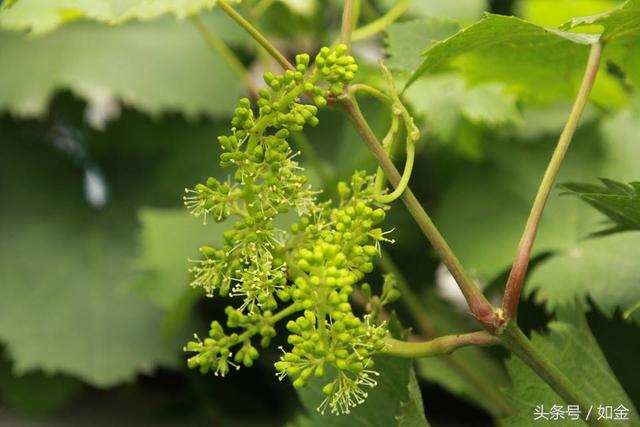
620, 202
395, 401
451, 109
497, 194
412, 414
406, 40
526, 57
40, 16
529, 63
445, 101
569, 340
88, 327
168, 239
130, 63
553, 13
460, 10
619, 23
64, 306
621, 35
540, 121
603, 268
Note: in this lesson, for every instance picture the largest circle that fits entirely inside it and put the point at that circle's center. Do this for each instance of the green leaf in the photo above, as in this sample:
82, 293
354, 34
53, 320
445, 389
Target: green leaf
70, 304
156, 67
620, 202
605, 269
40, 16
529, 63
569, 340
496, 195
395, 401
483, 208
169, 238
553, 13
621, 35
446, 102
64, 307
547, 121
406, 40
525, 57
619, 23
452, 110
460, 10
301, 420
412, 414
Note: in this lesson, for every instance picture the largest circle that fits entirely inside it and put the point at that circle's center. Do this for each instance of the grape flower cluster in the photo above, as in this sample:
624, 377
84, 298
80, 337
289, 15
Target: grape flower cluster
306, 273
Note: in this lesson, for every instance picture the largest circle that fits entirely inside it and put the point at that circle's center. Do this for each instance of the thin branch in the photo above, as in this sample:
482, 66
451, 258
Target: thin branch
381, 23
370, 90
478, 303
439, 346
227, 54
355, 15
257, 36
523, 253
347, 23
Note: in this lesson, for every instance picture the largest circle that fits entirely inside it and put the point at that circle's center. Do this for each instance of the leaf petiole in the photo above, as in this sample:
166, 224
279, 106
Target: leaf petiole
516, 278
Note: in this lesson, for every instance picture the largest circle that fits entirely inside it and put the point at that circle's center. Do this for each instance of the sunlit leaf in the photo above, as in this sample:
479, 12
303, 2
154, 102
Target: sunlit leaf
553, 13
525, 57
407, 40
621, 35
40, 16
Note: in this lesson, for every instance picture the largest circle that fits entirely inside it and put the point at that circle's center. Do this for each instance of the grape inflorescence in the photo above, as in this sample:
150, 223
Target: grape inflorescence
309, 270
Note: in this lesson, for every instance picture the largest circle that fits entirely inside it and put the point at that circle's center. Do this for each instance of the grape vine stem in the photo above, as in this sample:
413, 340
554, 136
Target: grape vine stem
381, 23
518, 272
439, 346
257, 36
478, 303
347, 23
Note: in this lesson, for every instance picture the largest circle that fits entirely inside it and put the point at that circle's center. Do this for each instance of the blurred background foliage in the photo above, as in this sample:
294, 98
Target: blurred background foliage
101, 128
